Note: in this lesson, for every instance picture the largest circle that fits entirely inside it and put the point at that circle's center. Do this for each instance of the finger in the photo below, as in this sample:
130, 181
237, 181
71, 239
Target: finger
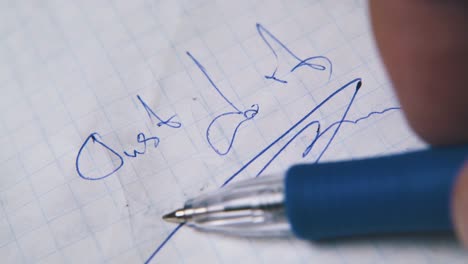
460, 206
424, 45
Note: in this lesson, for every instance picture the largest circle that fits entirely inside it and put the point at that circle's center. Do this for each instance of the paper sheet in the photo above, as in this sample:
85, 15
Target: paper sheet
113, 113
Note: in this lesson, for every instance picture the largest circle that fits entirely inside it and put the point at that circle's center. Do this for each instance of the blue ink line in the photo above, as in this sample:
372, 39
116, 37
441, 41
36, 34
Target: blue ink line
93, 137
372, 113
203, 70
363, 118
357, 80
136, 152
318, 67
254, 109
151, 114
254, 158
247, 114
164, 242
287, 144
358, 86
141, 138
318, 135
273, 77
302, 62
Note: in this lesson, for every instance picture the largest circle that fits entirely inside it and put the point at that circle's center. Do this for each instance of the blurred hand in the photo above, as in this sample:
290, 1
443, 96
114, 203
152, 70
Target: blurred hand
424, 45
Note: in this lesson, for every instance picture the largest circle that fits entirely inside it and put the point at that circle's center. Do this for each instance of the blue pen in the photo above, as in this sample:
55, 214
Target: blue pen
402, 193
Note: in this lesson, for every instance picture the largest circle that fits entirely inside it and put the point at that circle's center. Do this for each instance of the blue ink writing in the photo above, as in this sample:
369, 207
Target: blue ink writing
318, 134
151, 114
142, 140
335, 126
250, 113
94, 138
357, 84
264, 33
245, 115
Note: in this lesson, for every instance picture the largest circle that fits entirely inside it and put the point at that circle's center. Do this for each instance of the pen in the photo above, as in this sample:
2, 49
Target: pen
402, 193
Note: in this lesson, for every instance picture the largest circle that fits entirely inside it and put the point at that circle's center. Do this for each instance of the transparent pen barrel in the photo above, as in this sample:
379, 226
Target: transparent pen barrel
249, 208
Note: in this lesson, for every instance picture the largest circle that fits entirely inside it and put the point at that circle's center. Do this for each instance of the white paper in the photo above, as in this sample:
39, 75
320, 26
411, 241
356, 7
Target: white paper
115, 112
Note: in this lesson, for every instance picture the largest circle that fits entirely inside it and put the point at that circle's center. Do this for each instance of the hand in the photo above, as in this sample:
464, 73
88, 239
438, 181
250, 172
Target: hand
424, 45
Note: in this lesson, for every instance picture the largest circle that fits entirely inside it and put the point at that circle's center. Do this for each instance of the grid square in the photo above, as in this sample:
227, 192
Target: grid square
65, 140
139, 22
125, 57
37, 244
26, 136
6, 234
69, 228
160, 184
11, 253
27, 218
115, 239
17, 115
113, 35
109, 90
130, 256
12, 93
87, 245
54, 258
233, 59
12, 173
57, 202
100, 213
17, 196
86, 191
55, 119
84, 102
151, 42
219, 39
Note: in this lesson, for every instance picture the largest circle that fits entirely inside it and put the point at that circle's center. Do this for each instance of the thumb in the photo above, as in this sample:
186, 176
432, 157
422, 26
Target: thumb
460, 205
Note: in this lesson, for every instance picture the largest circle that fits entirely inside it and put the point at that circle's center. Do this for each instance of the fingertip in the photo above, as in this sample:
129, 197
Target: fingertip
423, 45
460, 206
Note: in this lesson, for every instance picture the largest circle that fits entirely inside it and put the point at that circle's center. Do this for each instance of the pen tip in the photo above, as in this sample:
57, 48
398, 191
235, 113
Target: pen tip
175, 217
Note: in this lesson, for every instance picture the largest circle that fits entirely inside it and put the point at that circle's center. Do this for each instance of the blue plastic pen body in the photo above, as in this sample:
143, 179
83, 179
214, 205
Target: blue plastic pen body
393, 194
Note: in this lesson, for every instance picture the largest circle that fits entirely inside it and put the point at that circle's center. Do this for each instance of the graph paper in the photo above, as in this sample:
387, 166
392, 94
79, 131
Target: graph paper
113, 113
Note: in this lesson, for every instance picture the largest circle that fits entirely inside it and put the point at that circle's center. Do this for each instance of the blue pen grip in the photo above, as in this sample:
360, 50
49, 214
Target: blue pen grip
394, 194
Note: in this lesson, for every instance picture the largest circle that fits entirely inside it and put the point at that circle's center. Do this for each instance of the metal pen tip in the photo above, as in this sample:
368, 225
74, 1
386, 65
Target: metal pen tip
177, 217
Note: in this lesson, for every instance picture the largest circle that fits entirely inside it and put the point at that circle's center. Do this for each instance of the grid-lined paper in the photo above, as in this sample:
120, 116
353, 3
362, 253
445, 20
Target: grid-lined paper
72, 68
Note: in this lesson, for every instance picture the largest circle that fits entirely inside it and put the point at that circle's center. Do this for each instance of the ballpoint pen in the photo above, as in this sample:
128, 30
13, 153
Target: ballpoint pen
392, 194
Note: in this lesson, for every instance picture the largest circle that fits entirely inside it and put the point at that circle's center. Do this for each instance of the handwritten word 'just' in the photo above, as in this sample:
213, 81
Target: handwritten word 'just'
144, 142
